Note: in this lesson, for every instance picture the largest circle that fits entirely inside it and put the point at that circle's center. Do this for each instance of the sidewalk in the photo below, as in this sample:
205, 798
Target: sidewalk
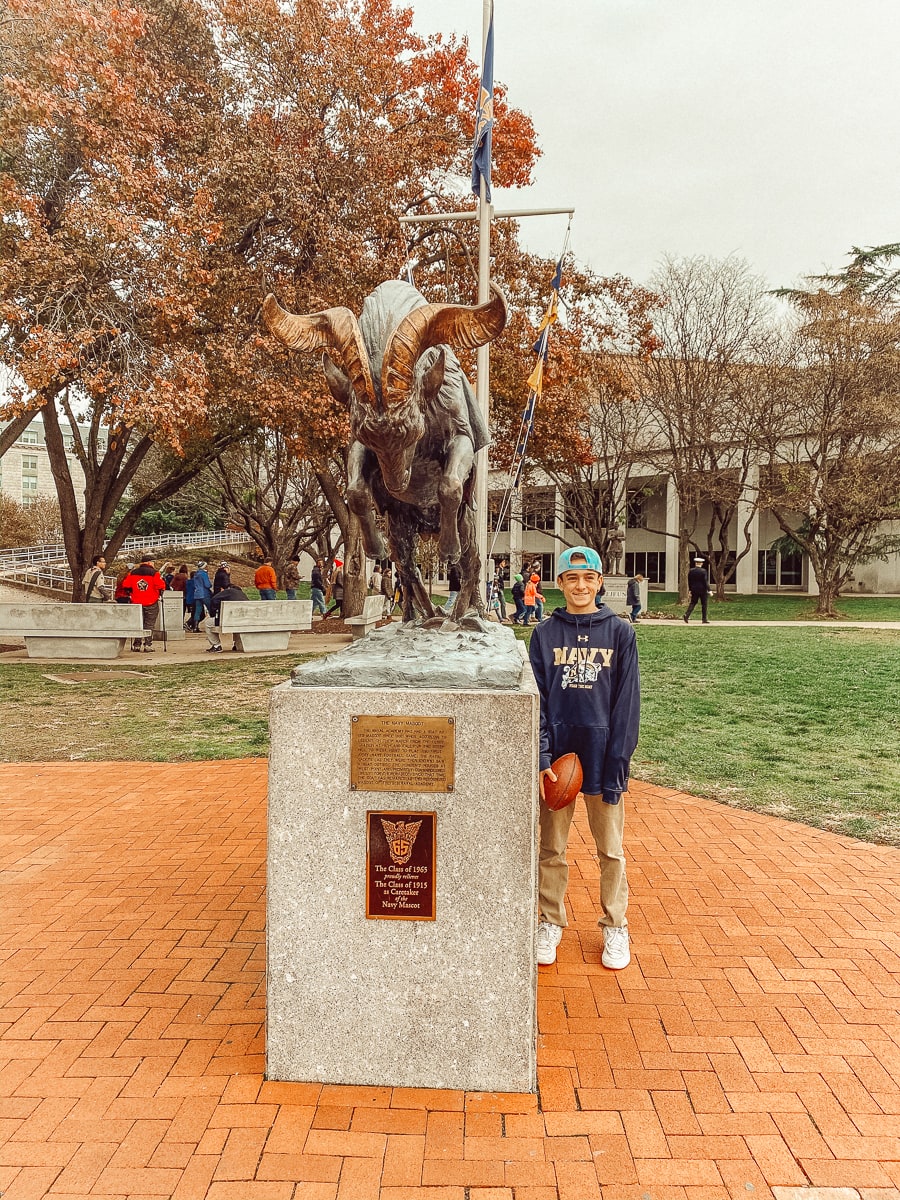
751, 1050
191, 648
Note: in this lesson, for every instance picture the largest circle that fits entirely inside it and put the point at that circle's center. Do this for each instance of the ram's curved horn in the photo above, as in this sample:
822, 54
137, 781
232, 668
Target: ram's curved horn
458, 325
335, 330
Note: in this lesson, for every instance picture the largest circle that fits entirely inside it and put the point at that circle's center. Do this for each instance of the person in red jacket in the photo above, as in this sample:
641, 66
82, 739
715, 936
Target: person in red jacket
265, 580
146, 585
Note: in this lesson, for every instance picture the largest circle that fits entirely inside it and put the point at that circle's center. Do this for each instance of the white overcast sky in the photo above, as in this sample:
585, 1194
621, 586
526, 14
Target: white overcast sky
767, 128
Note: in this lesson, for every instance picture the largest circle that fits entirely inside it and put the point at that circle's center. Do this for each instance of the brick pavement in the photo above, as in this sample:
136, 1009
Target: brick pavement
752, 1049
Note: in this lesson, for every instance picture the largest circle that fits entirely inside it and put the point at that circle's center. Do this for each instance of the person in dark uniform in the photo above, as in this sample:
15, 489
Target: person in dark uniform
698, 586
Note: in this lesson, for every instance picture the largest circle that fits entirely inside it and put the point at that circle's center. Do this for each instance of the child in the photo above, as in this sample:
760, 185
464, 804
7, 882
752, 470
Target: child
585, 665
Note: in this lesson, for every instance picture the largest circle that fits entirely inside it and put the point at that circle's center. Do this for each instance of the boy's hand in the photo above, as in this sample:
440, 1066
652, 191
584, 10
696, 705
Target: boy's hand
541, 780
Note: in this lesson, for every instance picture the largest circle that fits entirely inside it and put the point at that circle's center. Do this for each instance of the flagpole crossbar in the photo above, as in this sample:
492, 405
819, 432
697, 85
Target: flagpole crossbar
473, 214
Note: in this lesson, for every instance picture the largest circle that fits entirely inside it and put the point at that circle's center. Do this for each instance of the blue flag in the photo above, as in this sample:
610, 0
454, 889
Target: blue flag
484, 119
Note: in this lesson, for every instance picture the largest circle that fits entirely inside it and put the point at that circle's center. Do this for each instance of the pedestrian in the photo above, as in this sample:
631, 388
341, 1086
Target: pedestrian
337, 587
398, 589
145, 585
531, 599
180, 578
502, 575
586, 668
539, 599
292, 578
167, 571
122, 596
496, 592
633, 597
375, 579
454, 581
317, 589
518, 595
202, 594
222, 577
96, 589
698, 586
210, 625
264, 580
188, 615
387, 588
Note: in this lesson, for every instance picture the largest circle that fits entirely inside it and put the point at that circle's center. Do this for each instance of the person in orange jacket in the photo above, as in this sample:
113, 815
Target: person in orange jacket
265, 580
532, 598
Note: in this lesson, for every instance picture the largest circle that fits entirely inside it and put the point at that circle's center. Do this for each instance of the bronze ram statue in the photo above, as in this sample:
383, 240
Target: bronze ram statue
414, 423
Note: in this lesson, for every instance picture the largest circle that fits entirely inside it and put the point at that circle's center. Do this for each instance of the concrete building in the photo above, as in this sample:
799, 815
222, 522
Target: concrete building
539, 525
25, 471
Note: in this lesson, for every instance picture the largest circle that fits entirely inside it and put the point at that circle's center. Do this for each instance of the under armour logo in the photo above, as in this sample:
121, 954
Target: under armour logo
583, 637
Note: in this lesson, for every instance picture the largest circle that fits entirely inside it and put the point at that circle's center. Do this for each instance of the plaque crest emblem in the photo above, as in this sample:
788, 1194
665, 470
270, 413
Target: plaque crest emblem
401, 837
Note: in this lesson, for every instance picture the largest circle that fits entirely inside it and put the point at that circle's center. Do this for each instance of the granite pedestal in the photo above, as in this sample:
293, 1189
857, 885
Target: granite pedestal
448, 1003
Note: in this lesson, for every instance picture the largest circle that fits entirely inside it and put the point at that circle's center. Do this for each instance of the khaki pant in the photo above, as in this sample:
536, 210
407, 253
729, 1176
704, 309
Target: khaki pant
607, 822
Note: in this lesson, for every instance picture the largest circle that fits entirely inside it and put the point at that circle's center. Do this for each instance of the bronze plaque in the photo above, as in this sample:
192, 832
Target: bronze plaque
400, 865
401, 754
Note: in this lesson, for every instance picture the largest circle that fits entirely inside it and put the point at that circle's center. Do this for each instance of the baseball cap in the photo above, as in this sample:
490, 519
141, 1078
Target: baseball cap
699, 558
587, 560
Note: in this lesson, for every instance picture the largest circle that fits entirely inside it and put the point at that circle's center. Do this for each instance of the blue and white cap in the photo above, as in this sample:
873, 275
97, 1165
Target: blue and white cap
585, 559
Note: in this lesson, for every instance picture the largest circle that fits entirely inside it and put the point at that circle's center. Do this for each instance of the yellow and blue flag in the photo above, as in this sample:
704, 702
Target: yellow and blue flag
484, 119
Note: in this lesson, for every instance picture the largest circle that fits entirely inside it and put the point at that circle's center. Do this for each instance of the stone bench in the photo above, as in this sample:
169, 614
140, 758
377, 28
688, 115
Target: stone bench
372, 613
59, 630
264, 624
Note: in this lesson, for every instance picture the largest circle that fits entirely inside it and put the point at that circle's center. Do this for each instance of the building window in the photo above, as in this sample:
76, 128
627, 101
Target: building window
766, 570
791, 574
29, 463
30, 437
495, 504
651, 564
539, 510
779, 570
29, 483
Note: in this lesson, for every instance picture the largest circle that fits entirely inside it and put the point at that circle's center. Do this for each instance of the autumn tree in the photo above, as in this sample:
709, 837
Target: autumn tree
704, 393
165, 163
103, 111
276, 497
833, 480
586, 425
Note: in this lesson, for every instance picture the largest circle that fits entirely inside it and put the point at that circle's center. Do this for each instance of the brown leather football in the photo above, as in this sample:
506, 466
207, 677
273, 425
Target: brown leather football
569, 778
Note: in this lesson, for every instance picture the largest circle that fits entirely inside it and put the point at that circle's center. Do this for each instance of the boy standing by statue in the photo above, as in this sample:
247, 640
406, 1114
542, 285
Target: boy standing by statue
586, 668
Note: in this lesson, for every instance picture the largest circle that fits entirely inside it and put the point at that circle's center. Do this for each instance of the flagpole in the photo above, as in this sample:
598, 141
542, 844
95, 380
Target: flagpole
483, 356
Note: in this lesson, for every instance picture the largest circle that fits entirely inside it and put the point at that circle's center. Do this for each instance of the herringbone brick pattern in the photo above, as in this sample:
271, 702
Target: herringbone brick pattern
754, 1043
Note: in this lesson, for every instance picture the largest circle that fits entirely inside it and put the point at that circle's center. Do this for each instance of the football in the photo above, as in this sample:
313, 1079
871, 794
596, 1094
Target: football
569, 778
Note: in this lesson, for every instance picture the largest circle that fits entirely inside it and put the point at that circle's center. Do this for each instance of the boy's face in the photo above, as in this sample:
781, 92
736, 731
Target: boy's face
580, 589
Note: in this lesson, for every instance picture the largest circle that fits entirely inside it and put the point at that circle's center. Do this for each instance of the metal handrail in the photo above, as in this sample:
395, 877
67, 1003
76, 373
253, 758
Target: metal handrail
56, 551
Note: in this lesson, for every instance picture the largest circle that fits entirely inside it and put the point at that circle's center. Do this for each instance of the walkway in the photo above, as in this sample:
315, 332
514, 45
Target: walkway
752, 1050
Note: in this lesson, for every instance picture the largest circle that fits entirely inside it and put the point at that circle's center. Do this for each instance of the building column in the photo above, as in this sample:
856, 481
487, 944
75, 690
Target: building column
515, 533
672, 515
559, 522
747, 576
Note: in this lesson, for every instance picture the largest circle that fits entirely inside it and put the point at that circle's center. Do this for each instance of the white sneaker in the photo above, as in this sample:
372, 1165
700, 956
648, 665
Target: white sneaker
548, 938
616, 952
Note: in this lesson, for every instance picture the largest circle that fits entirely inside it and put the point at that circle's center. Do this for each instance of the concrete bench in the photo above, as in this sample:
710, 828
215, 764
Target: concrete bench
264, 624
372, 613
59, 630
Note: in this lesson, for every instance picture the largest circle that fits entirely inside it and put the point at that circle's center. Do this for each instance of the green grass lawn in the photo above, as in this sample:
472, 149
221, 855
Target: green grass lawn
780, 607
798, 722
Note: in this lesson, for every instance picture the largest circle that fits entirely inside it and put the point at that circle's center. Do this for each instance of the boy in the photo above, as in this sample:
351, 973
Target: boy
585, 664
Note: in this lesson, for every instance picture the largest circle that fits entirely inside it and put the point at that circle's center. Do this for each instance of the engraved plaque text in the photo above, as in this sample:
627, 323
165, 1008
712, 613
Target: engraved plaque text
401, 754
400, 865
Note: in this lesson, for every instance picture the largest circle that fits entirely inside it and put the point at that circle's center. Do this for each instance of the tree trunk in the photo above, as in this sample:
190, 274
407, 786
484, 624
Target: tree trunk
355, 583
684, 564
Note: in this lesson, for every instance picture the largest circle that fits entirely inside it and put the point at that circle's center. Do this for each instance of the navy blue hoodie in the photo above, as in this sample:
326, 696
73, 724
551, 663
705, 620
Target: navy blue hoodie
586, 669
